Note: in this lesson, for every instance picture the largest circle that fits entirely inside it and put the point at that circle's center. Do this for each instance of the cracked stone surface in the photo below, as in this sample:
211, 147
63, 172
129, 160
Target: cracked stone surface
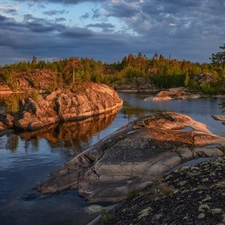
134, 156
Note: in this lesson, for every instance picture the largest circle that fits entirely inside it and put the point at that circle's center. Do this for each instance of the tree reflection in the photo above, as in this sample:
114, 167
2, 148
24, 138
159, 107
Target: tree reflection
12, 142
129, 111
70, 135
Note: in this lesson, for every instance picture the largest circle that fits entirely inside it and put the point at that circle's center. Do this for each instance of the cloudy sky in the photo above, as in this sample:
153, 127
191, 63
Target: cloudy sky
108, 30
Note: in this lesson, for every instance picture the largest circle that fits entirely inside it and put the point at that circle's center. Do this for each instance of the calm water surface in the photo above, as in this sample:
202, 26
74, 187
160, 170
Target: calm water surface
27, 159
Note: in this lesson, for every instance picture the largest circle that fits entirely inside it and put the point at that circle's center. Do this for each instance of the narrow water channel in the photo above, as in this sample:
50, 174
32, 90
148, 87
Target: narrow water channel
27, 159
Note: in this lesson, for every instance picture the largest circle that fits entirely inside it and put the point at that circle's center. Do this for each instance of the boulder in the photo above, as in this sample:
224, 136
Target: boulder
2, 126
220, 118
204, 77
133, 156
86, 101
6, 119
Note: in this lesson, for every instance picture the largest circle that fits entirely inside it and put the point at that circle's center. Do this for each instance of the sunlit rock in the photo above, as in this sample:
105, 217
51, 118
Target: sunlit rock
6, 119
62, 105
174, 94
2, 126
131, 157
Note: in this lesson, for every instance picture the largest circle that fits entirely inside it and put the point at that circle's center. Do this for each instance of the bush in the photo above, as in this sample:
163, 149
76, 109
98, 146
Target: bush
106, 217
34, 95
132, 192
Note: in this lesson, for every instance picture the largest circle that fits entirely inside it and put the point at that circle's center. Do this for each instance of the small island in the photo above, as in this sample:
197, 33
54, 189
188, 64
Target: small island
173, 94
85, 100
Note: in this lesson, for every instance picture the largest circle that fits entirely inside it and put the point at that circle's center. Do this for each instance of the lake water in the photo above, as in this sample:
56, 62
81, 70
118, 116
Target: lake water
27, 159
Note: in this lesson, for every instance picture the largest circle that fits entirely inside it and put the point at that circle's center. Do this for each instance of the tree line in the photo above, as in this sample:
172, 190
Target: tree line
162, 72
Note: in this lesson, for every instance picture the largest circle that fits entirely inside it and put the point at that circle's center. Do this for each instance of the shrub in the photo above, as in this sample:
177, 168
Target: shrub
34, 95
132, 192
106, 217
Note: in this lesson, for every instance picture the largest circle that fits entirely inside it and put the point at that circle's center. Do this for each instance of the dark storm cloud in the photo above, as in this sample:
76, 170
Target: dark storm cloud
85, 16
94, 14
39, 25
187, 29
121, 10
31, 32
9, 24
173, 18
101, 25
178, 27
3, 18
55, 12
76, 33
11, 11
27, 17
60, 19
44, 39
171, 7
106, 27
42, 28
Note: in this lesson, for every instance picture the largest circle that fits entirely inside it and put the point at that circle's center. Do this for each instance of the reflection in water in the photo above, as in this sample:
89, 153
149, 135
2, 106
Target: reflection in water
41, 152
12, 142
129, 111
71, 134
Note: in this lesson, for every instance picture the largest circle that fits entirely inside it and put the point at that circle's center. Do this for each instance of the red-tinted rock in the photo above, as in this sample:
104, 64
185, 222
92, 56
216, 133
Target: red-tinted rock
62, 105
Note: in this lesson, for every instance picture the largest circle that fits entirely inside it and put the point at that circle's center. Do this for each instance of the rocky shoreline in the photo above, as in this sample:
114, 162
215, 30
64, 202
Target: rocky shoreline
175, 94
132, 161
190, 195
179, 93
83, 101
134, 156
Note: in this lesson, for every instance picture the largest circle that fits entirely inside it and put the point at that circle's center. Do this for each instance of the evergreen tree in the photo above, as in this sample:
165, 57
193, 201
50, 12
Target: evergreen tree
72, 65
34, 60
219, 58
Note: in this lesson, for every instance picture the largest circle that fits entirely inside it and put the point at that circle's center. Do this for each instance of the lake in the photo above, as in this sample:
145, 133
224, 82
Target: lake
29, 158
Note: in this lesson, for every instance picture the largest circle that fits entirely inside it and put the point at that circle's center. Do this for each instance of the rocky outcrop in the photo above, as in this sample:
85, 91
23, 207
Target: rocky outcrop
134, 84
173, 94
134, 156
204, 77
38, 79
2, 126
192, 194
63, 105
7, 120
220, 118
